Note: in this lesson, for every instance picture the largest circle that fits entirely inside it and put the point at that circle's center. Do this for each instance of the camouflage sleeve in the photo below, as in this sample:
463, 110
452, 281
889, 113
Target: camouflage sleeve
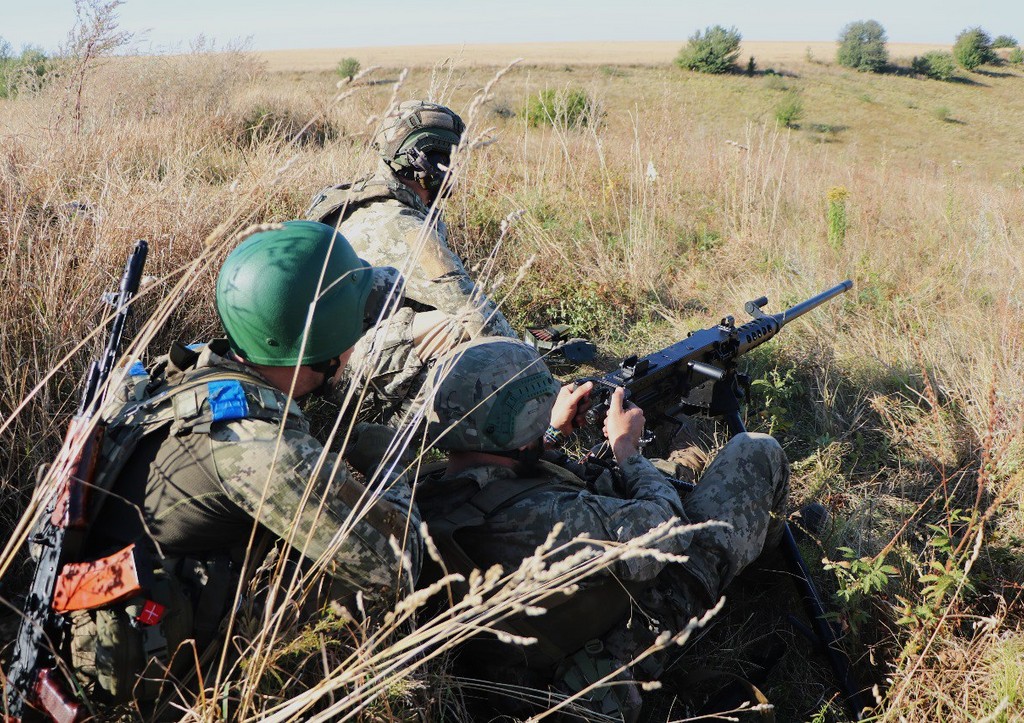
650, 501
359, 531
435, 277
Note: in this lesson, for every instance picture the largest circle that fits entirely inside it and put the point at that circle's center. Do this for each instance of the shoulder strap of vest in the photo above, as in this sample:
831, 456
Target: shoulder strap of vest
203, 396
335, 204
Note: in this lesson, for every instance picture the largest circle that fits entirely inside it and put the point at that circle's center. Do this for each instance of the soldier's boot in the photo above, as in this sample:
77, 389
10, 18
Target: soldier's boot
554, 343
813, 520
617, 699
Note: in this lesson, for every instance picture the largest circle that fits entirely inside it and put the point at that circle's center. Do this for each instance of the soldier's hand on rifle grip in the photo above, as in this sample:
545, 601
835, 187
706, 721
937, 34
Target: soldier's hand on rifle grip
571, 405
623, 426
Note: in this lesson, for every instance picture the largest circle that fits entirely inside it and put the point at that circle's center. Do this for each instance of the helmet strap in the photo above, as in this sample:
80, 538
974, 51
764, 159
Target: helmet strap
527, 457
328, 367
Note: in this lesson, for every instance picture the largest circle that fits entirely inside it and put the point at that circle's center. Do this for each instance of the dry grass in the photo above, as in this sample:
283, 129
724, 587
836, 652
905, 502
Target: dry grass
554, 54
899, 405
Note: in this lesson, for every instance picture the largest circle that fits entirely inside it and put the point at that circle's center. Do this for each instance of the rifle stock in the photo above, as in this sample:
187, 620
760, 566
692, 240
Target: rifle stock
33, 680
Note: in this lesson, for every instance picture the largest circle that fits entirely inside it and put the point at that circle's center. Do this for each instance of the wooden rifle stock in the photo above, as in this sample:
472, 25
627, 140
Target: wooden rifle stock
33, 680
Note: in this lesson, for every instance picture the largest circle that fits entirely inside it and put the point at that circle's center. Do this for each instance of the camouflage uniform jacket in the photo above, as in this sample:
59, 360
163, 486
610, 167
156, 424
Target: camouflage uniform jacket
745, 487
222, 463
513, 532
394, 228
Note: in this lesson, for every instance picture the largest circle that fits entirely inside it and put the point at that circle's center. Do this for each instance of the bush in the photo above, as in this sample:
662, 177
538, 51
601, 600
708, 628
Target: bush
789, 110
713, 51
265, 123
973, 48
1004, 41
347, 68
1016, 56
935, 64
27, 71
862, 46
565, 108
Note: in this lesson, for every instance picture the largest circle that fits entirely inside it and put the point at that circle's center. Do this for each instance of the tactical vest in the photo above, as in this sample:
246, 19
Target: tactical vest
129, 611
571, 621
333, 205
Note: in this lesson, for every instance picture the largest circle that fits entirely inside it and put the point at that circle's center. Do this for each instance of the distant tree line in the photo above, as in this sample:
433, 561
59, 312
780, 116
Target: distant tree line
862, 46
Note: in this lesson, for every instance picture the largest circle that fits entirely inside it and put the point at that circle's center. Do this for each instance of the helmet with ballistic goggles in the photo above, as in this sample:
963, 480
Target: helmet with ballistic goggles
268, 284
493, 394
416, 140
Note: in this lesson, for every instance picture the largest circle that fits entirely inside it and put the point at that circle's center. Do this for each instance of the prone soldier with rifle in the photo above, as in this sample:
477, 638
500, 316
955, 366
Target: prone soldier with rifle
494, 407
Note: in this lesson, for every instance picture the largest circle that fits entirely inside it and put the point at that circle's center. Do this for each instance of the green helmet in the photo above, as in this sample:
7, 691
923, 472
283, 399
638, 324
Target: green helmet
268, 283
489, 395
417, 130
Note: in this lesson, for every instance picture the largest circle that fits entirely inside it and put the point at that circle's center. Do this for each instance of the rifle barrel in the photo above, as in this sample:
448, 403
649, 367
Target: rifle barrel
804, 306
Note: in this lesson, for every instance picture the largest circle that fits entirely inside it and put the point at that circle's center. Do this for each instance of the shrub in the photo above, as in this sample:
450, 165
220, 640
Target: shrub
28, 71
713, 51
862, 46
973, 48
943, 114
789, 109
1016, 56
566, 108
1004, 41
836, 216
347, 68
265, 123
935, 64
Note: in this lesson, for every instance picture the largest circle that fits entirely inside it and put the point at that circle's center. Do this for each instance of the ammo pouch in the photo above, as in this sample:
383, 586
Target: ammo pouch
122, 651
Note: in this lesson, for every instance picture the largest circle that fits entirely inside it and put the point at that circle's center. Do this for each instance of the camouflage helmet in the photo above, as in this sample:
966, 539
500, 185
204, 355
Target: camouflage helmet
417, 128
268, 283
489, 395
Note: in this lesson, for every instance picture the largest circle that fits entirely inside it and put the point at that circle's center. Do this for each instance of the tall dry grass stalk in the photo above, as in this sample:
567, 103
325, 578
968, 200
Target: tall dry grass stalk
906, 408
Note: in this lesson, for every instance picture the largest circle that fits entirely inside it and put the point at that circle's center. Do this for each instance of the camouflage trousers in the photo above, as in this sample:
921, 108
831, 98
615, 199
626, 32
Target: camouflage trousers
746, 487
391, 362
387, 371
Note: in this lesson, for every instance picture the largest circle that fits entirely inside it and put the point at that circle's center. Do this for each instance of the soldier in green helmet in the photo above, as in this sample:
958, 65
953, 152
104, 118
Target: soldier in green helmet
207, 451
393, 218
494, 407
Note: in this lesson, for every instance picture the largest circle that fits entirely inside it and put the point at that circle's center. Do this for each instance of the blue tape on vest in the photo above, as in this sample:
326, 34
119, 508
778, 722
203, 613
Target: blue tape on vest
227, 400
137, 370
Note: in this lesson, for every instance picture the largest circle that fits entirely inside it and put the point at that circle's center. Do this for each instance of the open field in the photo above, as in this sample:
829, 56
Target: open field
605, 53
899, 405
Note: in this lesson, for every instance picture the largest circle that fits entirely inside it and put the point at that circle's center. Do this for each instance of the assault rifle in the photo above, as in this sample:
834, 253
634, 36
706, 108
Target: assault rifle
33, 680
698, 376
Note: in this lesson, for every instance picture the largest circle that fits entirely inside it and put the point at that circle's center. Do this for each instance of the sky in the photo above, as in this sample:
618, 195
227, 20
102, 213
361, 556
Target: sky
171, 25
